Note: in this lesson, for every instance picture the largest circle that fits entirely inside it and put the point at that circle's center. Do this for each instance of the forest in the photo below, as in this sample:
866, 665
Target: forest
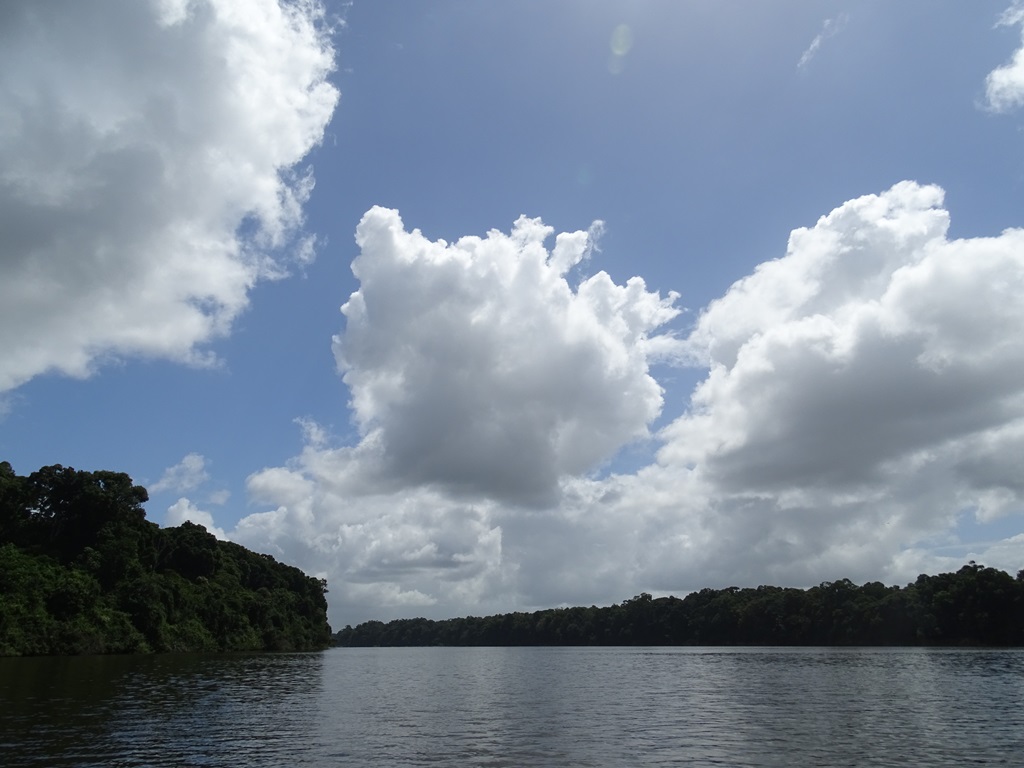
976, 606
83, 572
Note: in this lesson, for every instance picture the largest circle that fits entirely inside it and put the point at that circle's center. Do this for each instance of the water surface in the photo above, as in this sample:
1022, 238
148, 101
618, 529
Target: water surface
518, 707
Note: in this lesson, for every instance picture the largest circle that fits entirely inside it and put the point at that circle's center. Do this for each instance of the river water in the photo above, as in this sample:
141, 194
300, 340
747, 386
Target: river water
520, 707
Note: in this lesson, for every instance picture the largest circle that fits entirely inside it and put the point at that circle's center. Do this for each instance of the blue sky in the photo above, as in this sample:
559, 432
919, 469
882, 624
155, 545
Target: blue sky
818, 376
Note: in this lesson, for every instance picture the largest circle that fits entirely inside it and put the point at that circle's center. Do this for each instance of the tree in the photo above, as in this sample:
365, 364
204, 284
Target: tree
83, 571
70, 508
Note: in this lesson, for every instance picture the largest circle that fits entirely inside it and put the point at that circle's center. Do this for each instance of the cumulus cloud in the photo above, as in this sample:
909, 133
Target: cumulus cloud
864, 391
874, 341
187, 475
1004, 86
482, 374
403, 550
476, 366
183, 510
148, 171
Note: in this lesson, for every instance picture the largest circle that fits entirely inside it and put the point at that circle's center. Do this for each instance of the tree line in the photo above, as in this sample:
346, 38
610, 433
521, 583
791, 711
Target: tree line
974, 606
83, 572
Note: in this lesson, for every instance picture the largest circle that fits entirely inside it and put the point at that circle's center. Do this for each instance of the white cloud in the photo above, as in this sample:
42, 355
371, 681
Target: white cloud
830, 28
1004, 86
874, 341
313, 433
477, 367
408, 549
148, 176
480, 378
183, 510
187, 475
864, 390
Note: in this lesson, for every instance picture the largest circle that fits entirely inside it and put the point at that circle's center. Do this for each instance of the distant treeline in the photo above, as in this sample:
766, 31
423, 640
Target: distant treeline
82, 571
974, 606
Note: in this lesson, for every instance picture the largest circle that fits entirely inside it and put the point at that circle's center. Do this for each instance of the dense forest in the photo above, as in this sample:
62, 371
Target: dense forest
82, 571
974, 606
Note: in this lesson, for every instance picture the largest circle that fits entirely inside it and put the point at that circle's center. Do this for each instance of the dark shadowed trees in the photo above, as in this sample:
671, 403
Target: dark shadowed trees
83, 571
974, 606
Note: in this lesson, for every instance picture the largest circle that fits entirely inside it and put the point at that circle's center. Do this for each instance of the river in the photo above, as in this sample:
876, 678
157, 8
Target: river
519, 707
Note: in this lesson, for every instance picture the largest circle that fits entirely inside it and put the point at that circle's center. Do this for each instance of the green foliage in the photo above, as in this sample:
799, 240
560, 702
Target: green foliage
82, 571
974, 606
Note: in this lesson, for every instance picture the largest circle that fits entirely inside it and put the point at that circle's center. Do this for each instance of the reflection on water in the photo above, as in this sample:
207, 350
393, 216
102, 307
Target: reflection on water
518, 707
157, 710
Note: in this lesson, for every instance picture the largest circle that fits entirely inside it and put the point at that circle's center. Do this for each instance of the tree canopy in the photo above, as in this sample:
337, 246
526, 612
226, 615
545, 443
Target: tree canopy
974, 606
83, 571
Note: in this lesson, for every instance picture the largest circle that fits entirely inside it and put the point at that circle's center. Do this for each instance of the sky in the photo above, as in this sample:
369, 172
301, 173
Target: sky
481, 307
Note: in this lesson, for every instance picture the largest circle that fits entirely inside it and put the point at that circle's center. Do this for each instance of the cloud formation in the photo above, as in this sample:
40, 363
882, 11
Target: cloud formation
830, 28
1004, 86
148, 171
480, 376
183, 509
187, 475
863, 390
477, 367
869, 330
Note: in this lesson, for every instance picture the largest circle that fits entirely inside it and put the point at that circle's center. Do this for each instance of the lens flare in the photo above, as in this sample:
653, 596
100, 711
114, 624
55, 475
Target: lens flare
622, 40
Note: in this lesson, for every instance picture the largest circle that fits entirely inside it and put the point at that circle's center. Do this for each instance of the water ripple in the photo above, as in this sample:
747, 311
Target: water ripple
514, 707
